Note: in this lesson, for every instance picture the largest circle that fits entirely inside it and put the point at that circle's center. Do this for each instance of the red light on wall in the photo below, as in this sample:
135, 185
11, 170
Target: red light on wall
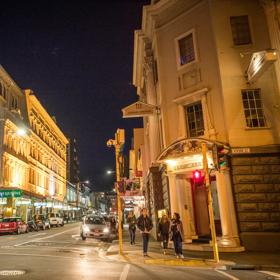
196, 174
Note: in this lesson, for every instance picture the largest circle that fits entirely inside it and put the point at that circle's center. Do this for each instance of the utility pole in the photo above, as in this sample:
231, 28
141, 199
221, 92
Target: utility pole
117, 143
210, 203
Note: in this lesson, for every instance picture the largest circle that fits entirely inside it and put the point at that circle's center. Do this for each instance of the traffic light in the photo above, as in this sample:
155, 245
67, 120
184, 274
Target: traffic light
197, 177
222, 157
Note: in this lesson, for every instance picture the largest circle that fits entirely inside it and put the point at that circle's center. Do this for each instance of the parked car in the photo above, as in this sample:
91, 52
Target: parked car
95, 227
13, 225
42, 221
56, 220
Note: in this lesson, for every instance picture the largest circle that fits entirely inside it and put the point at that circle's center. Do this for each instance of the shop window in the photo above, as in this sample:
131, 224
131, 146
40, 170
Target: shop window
195, 121
253, 108
240, 29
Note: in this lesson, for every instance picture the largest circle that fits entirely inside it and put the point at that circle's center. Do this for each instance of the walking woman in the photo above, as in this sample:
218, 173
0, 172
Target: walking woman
163, 232
177, 235
131, 220
145, 225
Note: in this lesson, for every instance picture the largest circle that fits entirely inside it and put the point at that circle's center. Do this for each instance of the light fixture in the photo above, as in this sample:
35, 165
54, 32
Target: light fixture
21, 132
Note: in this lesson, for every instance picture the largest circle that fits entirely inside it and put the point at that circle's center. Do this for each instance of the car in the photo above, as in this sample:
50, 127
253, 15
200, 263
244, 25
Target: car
56, 220
42, 221
95, 227
13, 225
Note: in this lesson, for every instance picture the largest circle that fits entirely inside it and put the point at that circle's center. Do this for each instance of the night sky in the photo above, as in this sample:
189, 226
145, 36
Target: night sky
77, 57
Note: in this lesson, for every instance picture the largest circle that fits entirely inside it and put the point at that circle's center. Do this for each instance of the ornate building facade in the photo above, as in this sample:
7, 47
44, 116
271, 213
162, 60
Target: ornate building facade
47, 160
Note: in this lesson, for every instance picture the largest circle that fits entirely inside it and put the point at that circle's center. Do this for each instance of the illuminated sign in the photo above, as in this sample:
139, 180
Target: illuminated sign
139, 109
10, 193
260, 61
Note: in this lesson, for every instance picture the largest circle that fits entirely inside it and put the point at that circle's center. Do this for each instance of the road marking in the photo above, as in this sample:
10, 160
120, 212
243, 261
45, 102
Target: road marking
227, 275
271, 273
125, 271
43, 233
46, 237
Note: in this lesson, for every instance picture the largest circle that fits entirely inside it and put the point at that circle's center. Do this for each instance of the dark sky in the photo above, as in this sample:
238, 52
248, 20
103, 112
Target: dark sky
77, 57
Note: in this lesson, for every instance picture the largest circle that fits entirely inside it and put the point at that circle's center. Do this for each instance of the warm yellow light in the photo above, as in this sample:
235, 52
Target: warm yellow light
21, 132
171, 162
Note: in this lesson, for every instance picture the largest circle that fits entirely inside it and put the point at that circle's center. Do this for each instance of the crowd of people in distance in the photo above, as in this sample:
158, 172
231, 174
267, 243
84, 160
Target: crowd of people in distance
168, 229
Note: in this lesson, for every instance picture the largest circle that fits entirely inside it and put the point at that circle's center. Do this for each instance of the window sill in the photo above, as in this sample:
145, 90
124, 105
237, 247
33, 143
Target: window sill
258, 128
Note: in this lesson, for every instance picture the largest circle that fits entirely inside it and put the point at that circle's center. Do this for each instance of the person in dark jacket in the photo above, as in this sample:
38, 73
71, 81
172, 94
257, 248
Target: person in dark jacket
163, 231
145, 225
131, 220
177, 235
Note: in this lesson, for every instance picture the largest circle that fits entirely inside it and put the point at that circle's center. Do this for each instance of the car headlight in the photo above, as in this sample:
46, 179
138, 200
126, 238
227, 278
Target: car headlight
86, 229
105, 230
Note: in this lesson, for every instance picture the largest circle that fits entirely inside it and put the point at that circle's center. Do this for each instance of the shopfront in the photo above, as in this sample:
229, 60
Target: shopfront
188, 194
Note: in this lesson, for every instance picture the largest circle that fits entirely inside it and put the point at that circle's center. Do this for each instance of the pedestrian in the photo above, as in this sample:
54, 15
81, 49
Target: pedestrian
145, 225
131, 220
177, 235
163, 231
113, 224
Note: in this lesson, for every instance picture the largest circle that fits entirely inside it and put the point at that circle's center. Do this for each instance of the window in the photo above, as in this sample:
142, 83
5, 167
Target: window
195, 122
253, 108
14, 104
155, 72
240, 29
3, 91
186, 50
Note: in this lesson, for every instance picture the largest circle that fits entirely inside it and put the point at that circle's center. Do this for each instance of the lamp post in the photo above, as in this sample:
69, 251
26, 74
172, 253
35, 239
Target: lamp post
117, 143
210, 203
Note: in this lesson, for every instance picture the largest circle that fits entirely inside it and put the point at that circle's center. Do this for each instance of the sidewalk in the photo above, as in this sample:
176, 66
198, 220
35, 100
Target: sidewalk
244, 260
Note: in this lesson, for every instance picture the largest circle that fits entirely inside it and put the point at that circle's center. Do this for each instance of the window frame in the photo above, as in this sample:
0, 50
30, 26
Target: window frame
177, 48
250, 29
187, 123
255, 108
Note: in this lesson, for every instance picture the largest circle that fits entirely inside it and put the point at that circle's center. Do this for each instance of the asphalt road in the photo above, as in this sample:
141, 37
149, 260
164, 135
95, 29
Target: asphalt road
59, 253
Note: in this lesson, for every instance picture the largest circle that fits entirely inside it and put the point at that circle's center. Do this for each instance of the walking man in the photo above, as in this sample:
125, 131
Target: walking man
145, 225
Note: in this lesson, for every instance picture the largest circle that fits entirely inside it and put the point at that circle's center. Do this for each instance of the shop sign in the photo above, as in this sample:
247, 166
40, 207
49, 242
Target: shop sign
23, 202
10, 193
139, 109
240, 151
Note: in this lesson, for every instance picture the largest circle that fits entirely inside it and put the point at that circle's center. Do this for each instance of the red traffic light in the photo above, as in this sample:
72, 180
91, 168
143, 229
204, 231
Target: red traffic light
197, 175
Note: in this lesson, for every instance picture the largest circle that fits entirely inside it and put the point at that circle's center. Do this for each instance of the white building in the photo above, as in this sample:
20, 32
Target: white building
205, 69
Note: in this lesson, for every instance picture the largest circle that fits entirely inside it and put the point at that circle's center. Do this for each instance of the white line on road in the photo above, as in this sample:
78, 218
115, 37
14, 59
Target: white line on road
271, 273
43, 233
125, 271
227, 275
46, 237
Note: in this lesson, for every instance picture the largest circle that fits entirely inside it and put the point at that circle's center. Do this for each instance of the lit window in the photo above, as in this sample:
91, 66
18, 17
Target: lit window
240, 29
195, 122
253, 108
186, 49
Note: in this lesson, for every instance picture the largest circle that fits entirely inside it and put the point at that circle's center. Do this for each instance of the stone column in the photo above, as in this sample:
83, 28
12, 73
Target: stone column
174, 207
230, 237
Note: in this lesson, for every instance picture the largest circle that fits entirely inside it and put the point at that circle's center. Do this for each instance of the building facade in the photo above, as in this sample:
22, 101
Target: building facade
208, 68
47, 158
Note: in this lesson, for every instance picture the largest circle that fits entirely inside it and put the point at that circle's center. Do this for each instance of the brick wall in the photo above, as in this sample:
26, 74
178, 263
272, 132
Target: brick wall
256, 181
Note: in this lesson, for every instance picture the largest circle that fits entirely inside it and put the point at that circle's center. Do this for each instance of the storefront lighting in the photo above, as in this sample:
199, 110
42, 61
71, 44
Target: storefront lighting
171, 162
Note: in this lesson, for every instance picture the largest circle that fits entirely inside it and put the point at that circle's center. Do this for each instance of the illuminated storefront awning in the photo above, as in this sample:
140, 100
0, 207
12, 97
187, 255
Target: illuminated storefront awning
186, 154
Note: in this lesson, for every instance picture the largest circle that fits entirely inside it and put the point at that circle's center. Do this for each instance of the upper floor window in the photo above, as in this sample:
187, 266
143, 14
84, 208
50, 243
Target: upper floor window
14, 103
195, 121
240, 29
3, 91
186, 49
253, 108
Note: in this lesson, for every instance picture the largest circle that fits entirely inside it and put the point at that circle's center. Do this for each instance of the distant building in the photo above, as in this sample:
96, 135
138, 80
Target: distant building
73, 171
207, 69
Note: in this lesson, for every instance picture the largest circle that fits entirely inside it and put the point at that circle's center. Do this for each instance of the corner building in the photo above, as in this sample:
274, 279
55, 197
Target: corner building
209, 70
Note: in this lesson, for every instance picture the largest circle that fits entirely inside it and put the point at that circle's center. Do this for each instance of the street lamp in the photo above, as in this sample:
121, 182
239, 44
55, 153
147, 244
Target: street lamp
109, 172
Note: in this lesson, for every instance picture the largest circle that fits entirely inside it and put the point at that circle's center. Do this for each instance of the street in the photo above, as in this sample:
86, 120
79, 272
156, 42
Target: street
60, 253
